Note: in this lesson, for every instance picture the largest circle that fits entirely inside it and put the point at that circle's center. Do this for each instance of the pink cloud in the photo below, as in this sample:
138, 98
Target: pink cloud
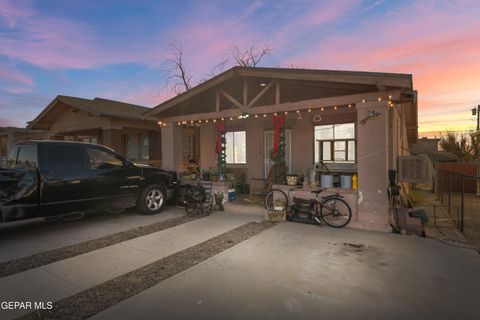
11, 13
56, 43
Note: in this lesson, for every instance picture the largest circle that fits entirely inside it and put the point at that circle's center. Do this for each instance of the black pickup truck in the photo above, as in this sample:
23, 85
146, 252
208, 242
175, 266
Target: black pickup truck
55, 178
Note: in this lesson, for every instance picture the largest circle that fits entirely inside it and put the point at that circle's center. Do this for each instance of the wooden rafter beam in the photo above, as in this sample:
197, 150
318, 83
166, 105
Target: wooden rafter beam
232, 99
260, 94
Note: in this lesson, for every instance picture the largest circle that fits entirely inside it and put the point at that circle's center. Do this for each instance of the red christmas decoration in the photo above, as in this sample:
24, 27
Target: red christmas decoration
277, 122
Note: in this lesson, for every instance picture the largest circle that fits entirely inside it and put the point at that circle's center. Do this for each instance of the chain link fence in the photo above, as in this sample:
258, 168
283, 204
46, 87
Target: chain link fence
460, 196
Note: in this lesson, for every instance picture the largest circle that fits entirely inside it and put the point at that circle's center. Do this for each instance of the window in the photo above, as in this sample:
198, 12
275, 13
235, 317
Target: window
23, 157
138, 146
236, 147
144, 148
65, 161
100, 159
335, 143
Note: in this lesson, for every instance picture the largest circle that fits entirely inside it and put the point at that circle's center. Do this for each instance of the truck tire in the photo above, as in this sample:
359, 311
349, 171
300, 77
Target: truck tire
152, 199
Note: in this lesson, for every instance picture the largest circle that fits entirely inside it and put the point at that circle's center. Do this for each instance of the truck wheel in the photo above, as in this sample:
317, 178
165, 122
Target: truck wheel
152, 199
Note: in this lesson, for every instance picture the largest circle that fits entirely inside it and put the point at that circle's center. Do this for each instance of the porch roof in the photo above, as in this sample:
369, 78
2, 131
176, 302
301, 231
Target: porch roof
245, 87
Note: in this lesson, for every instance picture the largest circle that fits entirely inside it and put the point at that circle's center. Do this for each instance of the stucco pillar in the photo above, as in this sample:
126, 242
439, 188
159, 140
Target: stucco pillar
112, 138
172, 144
373, 153
208, 157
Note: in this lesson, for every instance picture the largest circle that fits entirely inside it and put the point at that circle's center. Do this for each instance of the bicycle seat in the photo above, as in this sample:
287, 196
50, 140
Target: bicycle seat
317, 191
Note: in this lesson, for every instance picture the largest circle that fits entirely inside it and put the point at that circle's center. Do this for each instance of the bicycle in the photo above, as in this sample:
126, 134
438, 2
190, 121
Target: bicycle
332, 210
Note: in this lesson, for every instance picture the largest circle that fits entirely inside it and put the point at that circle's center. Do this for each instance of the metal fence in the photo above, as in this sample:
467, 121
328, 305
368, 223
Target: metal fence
460, 195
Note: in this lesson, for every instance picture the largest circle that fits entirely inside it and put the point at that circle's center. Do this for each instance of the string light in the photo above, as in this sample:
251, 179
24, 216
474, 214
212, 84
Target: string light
363, 100
349, 105
286, 112
231, 118
322, 108
390, 97
214, 120
206, 121
335, 107
298, 111
264, 115
379, 99
191, 122
309, 110
275, 114
223, 119
256, 116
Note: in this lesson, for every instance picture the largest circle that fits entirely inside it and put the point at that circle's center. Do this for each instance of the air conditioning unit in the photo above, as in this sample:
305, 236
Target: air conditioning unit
414, 169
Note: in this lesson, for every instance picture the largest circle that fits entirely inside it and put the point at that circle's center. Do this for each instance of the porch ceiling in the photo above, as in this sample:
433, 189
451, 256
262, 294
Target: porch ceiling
239, 89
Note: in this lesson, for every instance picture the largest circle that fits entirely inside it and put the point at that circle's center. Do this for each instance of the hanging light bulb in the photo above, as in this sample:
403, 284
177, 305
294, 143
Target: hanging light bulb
264, 115
335, 107
214, 120
206, 121
322, 109
363, 100
349, 105
309, 110
256, 116
286, 112
191, 122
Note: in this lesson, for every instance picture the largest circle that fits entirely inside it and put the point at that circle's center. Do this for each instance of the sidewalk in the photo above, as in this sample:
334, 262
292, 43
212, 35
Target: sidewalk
64, 278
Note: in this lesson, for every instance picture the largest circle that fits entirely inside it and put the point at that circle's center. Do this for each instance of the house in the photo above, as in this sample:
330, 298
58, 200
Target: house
10, 135
355, 122
118, 125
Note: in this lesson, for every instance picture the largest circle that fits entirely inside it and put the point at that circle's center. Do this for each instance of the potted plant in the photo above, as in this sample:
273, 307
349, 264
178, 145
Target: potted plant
213, 174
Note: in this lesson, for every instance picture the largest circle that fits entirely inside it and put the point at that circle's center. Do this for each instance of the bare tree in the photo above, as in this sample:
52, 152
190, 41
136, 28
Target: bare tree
250, 56
178, 79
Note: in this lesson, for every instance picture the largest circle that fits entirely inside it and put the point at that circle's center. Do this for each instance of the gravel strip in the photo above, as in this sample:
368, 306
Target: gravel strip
40, 259
90, 302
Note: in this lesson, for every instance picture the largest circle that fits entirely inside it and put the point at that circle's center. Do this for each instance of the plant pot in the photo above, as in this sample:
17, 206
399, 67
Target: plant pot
292, 179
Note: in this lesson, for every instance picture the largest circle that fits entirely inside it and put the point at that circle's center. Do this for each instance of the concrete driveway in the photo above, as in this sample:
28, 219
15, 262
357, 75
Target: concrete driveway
296, 271
24, 238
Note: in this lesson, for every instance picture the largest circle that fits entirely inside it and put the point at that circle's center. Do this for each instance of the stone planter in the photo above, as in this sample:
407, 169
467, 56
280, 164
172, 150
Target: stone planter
275, 215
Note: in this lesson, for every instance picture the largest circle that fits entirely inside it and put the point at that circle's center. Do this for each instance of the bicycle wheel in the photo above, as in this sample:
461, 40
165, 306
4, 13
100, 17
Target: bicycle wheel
276, 200
335, 212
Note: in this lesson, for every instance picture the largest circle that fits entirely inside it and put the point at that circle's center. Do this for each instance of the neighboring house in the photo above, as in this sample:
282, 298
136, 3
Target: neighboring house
10, 135
120, 126
357, 122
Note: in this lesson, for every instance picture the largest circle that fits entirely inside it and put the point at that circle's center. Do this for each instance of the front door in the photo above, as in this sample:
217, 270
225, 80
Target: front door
268, 146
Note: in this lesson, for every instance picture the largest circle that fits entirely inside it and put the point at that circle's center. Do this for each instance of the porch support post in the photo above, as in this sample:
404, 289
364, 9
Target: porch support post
373, 153
172, 142
11, 140
112, 138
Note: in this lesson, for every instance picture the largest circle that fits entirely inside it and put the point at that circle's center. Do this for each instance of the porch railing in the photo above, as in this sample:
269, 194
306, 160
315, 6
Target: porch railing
460, 195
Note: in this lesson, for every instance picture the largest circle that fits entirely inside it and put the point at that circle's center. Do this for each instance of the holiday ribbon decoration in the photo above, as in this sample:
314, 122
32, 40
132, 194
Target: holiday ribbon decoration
219, 129
277, 122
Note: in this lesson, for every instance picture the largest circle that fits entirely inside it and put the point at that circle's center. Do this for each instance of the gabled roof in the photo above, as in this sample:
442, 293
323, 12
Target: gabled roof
378, 79
97, 107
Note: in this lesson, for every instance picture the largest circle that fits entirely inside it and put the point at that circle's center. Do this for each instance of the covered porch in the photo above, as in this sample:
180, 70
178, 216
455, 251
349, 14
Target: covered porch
352, 122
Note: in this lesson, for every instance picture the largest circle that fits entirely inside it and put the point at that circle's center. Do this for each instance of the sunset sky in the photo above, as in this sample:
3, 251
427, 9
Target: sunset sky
114, 49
